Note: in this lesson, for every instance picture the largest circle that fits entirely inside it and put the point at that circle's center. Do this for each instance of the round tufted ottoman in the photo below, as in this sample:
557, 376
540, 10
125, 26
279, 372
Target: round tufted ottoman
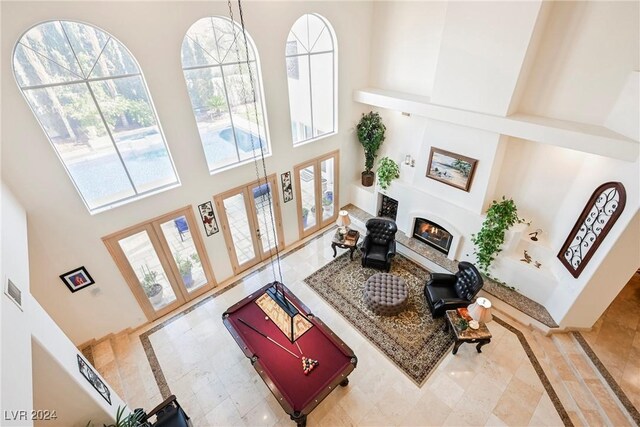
385, 294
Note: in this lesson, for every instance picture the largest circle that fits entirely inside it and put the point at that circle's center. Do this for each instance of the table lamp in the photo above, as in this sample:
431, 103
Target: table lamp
343, 221
481, 310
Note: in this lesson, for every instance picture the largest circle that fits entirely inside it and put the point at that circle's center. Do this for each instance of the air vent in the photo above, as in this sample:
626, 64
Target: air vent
14, 293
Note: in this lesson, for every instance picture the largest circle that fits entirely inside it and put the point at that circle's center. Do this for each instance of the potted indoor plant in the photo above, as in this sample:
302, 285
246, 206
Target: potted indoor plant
387, 172
184, 266
488, 241
305, 215
371, 135
151, 287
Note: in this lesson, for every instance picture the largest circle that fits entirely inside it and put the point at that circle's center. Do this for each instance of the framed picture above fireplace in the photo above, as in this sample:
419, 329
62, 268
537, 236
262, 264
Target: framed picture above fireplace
450, 168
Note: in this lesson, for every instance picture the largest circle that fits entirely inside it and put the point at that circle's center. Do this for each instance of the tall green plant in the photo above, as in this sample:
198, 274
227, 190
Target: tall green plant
371, 135
488, 241
387, 172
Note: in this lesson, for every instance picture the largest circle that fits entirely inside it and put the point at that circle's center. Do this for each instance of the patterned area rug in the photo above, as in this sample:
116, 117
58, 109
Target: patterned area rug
412, 340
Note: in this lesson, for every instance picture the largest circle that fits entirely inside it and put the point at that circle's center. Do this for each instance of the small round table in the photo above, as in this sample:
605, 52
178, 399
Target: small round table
385, 294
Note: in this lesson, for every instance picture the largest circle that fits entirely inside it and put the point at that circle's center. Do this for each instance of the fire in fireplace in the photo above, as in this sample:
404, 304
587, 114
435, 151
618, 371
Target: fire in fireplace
433, 235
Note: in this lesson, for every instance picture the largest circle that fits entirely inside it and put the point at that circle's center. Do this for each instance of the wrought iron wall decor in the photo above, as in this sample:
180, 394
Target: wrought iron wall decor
94, 379
598, 216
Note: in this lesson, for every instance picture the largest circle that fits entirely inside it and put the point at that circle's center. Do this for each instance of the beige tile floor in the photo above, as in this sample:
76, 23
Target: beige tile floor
615, 338
217, 385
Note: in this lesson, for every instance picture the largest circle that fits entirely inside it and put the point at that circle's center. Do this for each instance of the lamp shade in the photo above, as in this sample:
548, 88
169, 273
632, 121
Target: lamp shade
343, 219
481, 310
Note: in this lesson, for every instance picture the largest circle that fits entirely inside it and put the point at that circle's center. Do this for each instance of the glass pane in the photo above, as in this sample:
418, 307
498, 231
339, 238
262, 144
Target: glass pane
185, 254
114, 61
72, 123
32, 69
209, 102
248, 136
319, 36
239, 227
199, 46
87, 43
265, 212
126, 108
299, 98
328, 189
322, 93
308, 189
49, 40
300, 33
146, 265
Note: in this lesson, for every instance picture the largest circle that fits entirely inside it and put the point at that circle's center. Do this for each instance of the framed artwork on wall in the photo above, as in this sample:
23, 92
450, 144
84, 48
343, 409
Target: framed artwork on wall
450, 168
594, 223
77, 279
208, 218
94, 379
287, 189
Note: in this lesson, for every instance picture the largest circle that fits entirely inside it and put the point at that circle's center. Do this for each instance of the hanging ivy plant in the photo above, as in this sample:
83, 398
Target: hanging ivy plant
488, 241
387, 172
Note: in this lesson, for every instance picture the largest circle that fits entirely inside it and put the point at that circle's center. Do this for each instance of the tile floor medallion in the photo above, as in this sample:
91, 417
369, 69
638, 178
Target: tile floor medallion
193, 356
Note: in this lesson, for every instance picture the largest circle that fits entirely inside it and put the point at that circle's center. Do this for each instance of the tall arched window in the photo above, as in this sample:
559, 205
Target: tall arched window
87, 91
311, 74
214, 61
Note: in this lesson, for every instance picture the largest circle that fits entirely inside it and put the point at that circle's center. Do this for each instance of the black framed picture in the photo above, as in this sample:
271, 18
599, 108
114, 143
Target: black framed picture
77, 279
208, 218
94, 379
287, 189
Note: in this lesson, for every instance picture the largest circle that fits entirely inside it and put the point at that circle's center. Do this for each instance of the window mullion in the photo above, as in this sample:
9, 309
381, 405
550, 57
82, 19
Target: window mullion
311, 98
233, 127
113, 140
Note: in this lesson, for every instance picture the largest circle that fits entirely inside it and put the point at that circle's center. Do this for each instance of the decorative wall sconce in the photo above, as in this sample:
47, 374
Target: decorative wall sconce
534, 235
409, 161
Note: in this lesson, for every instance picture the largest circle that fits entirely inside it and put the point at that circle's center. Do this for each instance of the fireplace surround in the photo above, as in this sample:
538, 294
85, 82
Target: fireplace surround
433, 235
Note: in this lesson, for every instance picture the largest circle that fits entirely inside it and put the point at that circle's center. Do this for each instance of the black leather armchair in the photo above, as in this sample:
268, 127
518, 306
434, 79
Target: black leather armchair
167, 414
451, 291
379, 245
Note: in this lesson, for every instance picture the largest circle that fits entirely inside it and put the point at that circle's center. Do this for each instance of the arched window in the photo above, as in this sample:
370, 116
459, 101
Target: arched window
311, 74
214, 61
87, 91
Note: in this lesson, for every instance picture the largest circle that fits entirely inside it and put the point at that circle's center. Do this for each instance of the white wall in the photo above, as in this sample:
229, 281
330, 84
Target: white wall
63, 235
405, 42
484, 46
585, 57
15, 365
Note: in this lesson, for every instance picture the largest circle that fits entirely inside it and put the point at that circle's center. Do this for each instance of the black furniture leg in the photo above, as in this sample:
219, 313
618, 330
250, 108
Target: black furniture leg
456, 346
481, 344
333, 246
345, 382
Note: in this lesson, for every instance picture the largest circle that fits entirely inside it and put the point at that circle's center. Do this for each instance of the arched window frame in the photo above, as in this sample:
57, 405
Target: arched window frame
261, 131
86, 80
334, 52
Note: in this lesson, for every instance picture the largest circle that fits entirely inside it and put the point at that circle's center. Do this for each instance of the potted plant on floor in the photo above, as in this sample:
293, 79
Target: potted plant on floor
488, 241
151, 287
387, 172
184, 266
371, 135
305, 215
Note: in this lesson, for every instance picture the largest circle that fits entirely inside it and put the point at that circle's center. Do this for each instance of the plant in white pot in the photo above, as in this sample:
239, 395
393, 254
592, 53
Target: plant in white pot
370, 131
151, 287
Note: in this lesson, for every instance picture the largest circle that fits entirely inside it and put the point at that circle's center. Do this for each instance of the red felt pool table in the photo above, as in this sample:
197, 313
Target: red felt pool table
297, 393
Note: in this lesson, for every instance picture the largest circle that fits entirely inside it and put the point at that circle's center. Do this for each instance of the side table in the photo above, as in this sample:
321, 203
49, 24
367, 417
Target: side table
341, 241
482, 336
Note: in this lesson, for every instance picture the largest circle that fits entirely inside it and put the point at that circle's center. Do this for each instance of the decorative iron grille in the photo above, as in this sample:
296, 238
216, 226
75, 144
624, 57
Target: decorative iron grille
598, 216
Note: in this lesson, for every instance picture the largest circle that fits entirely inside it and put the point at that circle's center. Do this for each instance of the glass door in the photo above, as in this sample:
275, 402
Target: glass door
163, 262
246, 217
317, 193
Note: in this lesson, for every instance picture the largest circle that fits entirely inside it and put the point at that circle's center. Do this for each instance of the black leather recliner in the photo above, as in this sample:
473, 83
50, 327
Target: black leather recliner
379, 245
450, 291
167, 414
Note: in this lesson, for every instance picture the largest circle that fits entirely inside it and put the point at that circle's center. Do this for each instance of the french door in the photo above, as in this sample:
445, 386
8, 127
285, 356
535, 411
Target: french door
317, 192
163, 261
247, 215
